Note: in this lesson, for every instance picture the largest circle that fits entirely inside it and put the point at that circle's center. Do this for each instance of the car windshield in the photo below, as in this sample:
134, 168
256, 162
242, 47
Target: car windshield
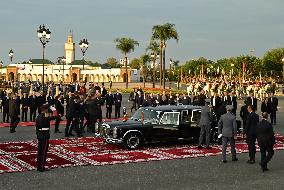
150, 116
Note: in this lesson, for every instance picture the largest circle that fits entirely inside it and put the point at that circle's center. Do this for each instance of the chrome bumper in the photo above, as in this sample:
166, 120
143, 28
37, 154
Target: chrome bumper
112, 140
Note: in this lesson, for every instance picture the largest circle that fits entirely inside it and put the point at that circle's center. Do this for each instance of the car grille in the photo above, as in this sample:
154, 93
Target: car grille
105, 131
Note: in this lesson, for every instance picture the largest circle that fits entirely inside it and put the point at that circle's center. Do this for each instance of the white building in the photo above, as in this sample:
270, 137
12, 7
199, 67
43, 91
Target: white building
68, 72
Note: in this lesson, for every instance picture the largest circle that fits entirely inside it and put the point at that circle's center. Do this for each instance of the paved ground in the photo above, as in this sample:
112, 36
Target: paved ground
196, 173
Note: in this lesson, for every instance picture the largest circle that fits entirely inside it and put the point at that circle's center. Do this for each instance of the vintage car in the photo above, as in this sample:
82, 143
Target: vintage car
152, 124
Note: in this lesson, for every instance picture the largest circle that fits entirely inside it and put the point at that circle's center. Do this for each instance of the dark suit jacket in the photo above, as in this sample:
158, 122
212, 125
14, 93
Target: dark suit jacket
25, 103
234, 102
252, 102
272, 104
59, 107
244, 112
185, 101
217, 101
264, 132
109, 100
117, 99
201, 100
264, 107
251, 123
13, 108
32, 103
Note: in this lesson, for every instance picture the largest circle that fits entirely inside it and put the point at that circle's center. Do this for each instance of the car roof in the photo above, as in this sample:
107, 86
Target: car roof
173, 107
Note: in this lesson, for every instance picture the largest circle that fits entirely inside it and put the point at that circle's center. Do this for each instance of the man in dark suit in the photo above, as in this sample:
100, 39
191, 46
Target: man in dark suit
32, 106
272, 108
226, 100
40, 100
5, 104
97, 88
133, 97
185, 100
109, 104
250, 132
14, 113
252, 101
60, 112
25, 104
117, 103
233, 99
201, 98
216, 104
227, 129
266, 140
205, 124
50, 100
244, 113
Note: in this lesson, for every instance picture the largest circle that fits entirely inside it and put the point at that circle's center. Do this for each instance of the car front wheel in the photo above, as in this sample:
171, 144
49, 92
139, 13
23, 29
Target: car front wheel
132, 141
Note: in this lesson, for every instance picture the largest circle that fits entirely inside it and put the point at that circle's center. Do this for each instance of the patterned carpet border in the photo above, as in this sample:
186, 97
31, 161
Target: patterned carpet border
68, 152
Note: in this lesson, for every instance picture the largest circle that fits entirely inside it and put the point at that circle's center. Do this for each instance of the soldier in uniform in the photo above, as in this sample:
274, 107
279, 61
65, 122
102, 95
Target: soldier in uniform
43, 135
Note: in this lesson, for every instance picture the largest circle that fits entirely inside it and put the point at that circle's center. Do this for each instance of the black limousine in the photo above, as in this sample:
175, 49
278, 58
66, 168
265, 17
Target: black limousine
152, 124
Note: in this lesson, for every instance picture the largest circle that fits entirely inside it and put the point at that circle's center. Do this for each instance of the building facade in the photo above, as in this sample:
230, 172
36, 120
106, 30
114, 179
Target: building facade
68, 72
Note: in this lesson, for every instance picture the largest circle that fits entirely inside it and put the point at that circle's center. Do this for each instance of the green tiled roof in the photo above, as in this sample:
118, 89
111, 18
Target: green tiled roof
38, 61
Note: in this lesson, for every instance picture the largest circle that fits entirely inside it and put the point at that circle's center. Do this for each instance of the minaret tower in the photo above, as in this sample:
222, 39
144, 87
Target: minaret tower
70, 49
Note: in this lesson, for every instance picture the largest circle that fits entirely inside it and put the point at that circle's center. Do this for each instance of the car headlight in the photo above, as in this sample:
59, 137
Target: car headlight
114, 132
96, 128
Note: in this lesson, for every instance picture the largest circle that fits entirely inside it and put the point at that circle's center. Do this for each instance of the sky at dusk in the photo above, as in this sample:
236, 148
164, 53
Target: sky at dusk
210, 28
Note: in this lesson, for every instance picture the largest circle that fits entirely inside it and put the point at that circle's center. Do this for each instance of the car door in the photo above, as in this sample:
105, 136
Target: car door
194, 125
185, 124
168, 126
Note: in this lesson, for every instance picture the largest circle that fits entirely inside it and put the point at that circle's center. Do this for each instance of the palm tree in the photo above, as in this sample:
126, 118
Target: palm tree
155, 50
163, 33
126, 45
144, 60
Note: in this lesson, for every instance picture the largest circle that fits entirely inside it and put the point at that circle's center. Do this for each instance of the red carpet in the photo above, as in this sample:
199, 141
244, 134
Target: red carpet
21, 156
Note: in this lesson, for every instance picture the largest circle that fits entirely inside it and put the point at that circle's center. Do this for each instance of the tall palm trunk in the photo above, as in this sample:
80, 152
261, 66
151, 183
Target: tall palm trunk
161, 64
126, 70
164, 64
154, 71
144, 76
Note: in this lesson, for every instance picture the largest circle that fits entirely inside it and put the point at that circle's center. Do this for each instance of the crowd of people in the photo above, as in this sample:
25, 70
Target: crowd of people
82, 108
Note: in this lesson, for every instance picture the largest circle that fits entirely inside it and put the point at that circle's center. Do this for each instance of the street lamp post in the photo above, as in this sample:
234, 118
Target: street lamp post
11, 55
170, 74
44, 36
1, 65
62, 60
282, 75
84, 44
